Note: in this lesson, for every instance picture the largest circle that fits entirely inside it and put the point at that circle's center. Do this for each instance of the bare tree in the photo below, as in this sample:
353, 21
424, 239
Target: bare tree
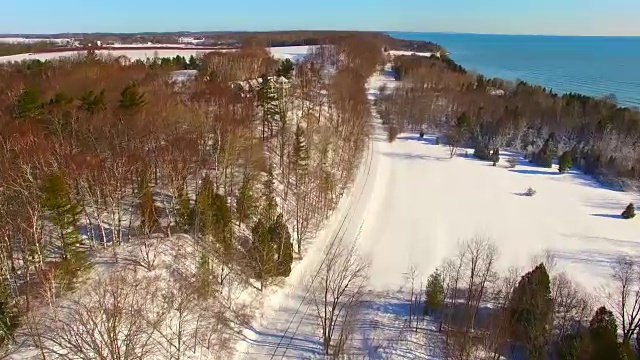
337, 295
110, 320
624, 301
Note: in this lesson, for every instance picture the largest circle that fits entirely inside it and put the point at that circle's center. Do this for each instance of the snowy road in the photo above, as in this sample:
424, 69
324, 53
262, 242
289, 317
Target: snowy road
410, 206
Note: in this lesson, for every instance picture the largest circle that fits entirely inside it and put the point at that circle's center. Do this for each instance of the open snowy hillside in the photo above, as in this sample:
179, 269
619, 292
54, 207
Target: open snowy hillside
410, 207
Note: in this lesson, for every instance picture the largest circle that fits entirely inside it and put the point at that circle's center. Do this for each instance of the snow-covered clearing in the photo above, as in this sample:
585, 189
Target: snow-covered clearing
20, 40
293, 53
410, 206
403, 52
132, 54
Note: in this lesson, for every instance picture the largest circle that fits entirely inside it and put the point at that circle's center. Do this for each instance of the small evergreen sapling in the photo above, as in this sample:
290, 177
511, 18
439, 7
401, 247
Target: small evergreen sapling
629, 212
495, 156
565, 163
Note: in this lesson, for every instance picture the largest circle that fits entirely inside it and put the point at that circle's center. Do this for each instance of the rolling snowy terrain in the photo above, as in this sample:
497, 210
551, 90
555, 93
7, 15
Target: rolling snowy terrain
410, 206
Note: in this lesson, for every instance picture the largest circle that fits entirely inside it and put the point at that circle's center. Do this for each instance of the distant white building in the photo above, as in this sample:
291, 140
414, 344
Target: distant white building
190, 40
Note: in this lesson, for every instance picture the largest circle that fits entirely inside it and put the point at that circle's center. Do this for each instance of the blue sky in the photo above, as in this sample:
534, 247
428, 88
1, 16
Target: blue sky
562, 17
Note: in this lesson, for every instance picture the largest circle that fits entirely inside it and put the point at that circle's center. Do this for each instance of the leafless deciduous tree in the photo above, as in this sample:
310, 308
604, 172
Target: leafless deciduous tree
337, 294
624, 297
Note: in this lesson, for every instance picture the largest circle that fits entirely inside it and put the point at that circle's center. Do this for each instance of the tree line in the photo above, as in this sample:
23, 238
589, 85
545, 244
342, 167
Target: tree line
596, 134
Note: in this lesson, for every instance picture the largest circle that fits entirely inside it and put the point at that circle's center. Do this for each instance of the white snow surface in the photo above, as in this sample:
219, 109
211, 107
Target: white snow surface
19, 40
411, 204
293, 53
403, 52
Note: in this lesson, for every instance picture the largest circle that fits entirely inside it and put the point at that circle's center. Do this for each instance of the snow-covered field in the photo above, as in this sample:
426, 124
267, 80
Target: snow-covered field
402, 52
132, 54
293, 53
411, 205
18, 40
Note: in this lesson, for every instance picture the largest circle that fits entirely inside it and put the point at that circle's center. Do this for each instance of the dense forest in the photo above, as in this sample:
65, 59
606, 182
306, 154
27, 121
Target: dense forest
116, 166
600, 137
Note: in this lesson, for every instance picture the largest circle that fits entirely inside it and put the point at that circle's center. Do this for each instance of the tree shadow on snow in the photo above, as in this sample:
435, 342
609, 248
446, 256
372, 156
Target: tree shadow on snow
409, 156
534, 172
427, 139
609, 216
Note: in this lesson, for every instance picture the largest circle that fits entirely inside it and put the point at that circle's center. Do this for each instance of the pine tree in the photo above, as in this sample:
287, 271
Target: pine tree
629, 212
268, 101
565, 162
8, 315
28, 104
63, 213
434, 293
280, 237
204, 214
245, 202
530, 309
285, 69
193, 63
131, 98
92, 103
573, 346
148, 213
300, 152
603, 336
185, 214
263, 251
269, 204
222, 227
547, 152
495, 156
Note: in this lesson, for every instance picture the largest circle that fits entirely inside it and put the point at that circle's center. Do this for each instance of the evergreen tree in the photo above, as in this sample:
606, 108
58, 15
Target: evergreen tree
530, 309
28, 104
300, 152
60, 99
92, 103
269, 204
285, 69
245, 202
193, 63
131, 98
280, 237
185, 213
263, 251
573, 347
547, 152
565, 162
268, 101
148, 213
63, 212
8, 315
629, 212
495, 156
603, 336
434, 294
214, 216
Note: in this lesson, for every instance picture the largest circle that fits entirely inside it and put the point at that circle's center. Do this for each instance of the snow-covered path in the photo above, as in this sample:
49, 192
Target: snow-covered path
411, 205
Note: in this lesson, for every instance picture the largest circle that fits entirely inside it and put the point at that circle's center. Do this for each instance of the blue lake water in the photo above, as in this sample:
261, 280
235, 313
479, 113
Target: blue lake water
595, 66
